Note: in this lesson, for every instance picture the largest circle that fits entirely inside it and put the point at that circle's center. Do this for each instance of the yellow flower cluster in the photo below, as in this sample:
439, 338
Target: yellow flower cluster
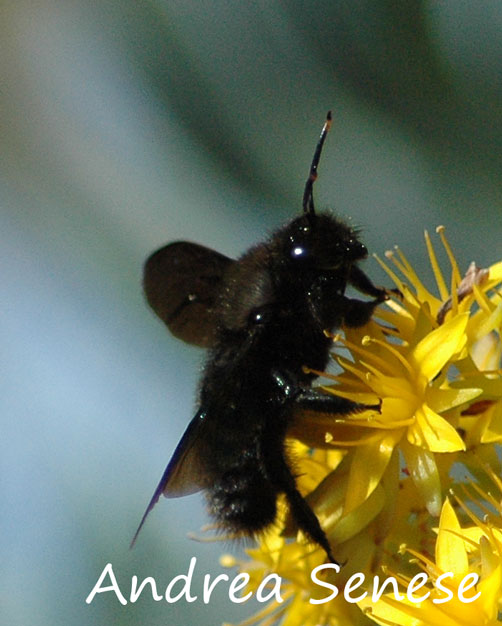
379, 481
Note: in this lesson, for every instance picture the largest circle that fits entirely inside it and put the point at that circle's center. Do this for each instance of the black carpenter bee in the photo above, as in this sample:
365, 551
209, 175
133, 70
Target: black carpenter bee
263, 319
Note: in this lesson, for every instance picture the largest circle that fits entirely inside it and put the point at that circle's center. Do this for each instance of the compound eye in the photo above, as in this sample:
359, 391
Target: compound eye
356, 250
298, 252
259, 315
363, 251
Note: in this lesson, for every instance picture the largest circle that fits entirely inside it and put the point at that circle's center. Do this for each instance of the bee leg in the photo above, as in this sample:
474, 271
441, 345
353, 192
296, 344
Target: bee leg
287, 385
359, 280
358, 312
305, 518
318, 402
311, 399
307, 521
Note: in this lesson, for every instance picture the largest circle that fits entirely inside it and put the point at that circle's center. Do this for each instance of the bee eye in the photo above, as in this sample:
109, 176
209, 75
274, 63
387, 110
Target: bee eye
356, 250
298, 252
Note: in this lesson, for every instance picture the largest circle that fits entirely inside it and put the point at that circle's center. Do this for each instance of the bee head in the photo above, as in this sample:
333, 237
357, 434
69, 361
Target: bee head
322, 242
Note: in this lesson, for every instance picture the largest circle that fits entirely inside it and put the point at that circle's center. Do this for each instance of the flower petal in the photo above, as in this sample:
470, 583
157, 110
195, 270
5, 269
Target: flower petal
389, 611
451, 554
424, 473
492, 432
367, 467
349, 525
433, 432
436, 348
444, 399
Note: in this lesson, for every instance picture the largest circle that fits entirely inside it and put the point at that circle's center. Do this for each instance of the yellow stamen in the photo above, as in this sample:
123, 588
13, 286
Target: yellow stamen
394, 352
409, 272
363, 376
454, 294
401, 578
397, 281
228, 560
391, 256
454, 267
376, 360
426, 564
376, 423
438, 275
359, 442
351, 383
472, 516
485, 495
482, 300
393, 383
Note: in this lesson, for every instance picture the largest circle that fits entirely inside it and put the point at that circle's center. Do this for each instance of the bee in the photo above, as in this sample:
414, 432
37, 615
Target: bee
263, 318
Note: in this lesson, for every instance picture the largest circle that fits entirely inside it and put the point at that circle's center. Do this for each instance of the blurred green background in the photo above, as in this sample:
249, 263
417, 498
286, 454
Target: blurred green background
126, 124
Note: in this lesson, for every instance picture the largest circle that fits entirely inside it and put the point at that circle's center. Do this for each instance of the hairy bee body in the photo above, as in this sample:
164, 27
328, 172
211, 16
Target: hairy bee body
263, 318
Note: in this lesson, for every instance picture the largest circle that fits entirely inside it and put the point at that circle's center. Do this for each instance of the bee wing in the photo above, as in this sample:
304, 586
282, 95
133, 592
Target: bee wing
181, 282
185, 473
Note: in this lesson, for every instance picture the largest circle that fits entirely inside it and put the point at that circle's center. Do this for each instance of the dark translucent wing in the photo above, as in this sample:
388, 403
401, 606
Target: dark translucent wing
181, 281
185, 472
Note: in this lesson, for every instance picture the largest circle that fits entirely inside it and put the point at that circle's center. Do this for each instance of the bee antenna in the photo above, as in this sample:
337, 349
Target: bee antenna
308, 197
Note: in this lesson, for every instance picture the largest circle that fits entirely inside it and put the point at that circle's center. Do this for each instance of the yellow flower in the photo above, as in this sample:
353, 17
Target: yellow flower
447, 600
410, 359
376, 479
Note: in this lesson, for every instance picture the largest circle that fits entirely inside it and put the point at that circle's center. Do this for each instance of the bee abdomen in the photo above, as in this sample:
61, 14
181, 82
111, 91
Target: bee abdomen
242, 501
